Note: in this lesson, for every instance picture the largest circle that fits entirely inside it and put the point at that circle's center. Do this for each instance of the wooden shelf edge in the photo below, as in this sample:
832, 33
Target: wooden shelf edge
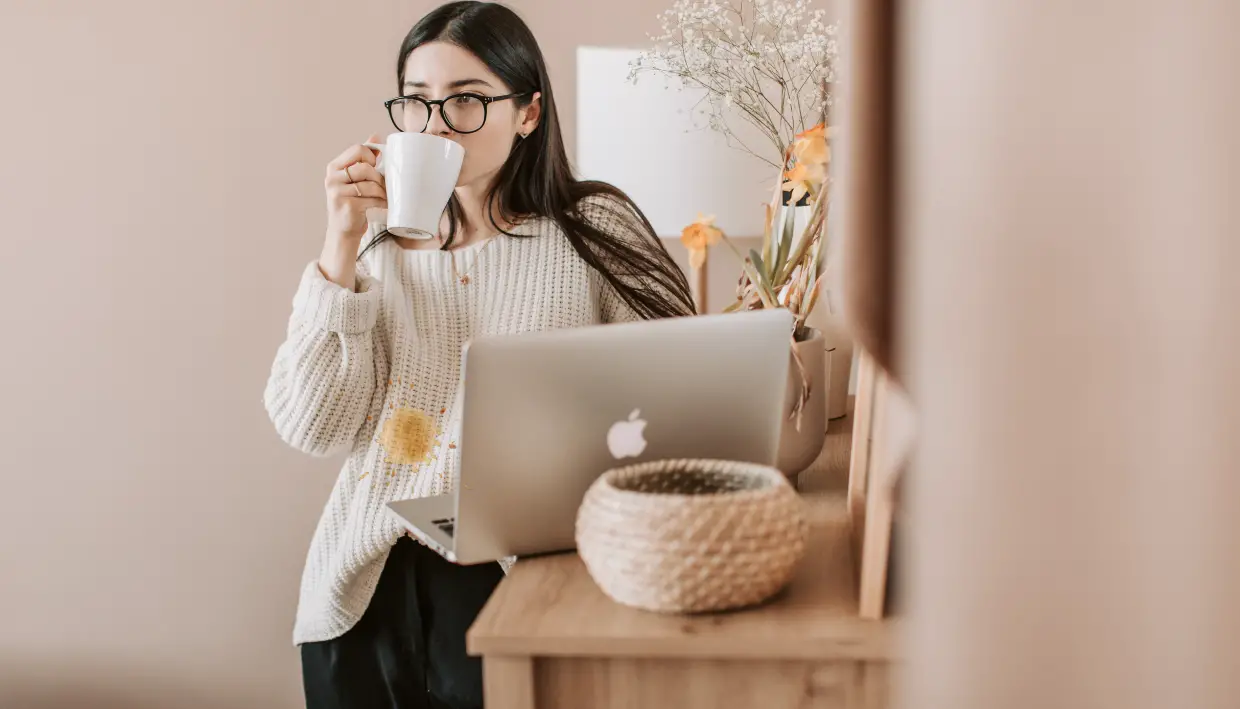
868, 645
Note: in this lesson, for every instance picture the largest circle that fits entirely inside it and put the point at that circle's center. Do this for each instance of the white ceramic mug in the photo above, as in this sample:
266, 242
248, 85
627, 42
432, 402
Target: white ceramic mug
421, 171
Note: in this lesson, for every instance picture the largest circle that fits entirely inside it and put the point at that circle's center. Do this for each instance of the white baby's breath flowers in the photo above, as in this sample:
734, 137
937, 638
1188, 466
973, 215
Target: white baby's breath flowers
768, 62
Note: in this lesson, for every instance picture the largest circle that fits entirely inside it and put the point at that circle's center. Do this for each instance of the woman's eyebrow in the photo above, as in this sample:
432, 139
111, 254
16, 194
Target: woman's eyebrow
453, 85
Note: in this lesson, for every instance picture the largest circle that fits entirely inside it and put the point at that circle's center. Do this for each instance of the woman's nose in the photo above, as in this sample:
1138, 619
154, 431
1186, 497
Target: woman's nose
436, 125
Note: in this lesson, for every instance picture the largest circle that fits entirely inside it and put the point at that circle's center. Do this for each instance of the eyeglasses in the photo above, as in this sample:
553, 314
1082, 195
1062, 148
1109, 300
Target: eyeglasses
464, 113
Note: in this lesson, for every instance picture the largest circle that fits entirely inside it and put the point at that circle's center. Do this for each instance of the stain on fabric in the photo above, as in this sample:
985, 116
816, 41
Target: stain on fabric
408, 437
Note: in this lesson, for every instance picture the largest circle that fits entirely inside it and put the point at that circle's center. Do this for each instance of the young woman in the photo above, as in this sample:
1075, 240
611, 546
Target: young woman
371, 364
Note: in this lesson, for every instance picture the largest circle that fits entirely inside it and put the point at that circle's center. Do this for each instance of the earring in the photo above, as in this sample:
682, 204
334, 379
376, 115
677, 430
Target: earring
523, 135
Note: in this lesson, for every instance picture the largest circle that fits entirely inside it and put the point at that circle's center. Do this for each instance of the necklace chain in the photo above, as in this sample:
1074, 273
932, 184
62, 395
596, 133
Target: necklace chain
463, 278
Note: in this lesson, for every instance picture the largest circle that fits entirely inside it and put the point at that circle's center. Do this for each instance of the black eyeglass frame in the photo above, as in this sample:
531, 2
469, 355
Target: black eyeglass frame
429, 103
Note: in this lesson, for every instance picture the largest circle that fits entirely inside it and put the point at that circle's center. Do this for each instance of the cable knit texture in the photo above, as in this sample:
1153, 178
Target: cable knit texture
348, 364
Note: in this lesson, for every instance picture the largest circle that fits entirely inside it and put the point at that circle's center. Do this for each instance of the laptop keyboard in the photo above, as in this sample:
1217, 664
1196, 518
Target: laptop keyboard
447, 524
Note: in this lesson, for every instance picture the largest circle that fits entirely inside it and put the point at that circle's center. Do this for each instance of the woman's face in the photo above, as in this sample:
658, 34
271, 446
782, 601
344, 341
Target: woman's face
437, 70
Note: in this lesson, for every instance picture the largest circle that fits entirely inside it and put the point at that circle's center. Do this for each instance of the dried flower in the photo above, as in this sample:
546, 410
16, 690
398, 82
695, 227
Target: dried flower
766, 62
698, 237
811, 147
802, 179
771, 64
809, 156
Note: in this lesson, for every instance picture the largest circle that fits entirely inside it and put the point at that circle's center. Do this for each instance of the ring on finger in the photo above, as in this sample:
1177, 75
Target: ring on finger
348, 174
357, 189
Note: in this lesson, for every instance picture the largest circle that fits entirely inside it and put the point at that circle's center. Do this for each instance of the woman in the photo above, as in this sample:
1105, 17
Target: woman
372, 360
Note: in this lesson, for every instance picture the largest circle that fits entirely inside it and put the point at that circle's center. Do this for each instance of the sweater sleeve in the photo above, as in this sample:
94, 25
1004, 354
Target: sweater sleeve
326, 372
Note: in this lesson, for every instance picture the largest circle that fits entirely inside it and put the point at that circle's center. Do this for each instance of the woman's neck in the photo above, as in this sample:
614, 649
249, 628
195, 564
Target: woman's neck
476, 222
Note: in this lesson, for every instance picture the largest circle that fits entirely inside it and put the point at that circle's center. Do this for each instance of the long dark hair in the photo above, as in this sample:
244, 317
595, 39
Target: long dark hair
537, 180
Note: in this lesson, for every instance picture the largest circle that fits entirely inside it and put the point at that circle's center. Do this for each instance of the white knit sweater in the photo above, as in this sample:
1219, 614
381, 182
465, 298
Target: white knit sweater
348, 365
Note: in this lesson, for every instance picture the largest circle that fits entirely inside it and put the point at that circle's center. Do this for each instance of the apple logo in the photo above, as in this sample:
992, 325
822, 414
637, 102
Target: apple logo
626, 438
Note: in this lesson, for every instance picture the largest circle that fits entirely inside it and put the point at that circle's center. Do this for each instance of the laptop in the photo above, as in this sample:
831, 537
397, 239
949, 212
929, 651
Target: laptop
545, 414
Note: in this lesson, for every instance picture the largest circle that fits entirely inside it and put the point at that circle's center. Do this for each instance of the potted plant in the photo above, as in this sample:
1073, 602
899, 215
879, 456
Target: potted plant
770, 64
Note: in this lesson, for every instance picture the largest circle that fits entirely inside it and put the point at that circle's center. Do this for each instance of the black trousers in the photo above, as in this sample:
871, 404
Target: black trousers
408, 649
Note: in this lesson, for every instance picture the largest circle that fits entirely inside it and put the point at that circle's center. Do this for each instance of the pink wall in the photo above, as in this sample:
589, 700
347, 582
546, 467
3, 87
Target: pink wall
161, 190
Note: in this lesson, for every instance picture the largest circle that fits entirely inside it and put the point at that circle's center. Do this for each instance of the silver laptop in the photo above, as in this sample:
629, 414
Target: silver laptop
545, 414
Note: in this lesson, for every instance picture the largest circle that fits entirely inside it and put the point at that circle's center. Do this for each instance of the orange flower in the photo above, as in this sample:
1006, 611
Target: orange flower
803, 178
810, 155
810, 147
699, 236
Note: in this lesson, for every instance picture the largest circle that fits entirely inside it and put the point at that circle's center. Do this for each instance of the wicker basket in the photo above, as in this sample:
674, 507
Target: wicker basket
685, 536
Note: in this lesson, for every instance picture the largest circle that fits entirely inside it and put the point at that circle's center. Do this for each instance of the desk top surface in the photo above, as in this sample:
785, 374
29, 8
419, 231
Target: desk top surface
549, 606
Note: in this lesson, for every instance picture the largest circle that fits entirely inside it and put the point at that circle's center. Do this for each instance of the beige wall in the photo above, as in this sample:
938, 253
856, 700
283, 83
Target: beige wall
1070, 303
161, 190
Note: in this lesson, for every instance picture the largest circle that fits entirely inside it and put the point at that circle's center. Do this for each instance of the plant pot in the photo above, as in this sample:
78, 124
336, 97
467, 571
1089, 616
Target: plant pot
799, 448
839, 346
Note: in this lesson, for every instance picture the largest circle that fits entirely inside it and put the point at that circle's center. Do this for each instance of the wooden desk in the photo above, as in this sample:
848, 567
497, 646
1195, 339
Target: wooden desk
550, 639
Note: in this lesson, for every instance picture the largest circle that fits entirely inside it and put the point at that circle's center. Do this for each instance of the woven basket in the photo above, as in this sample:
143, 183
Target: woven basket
685, 536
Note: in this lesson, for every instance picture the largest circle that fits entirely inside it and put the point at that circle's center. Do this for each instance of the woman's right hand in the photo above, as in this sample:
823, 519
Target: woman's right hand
353, 185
